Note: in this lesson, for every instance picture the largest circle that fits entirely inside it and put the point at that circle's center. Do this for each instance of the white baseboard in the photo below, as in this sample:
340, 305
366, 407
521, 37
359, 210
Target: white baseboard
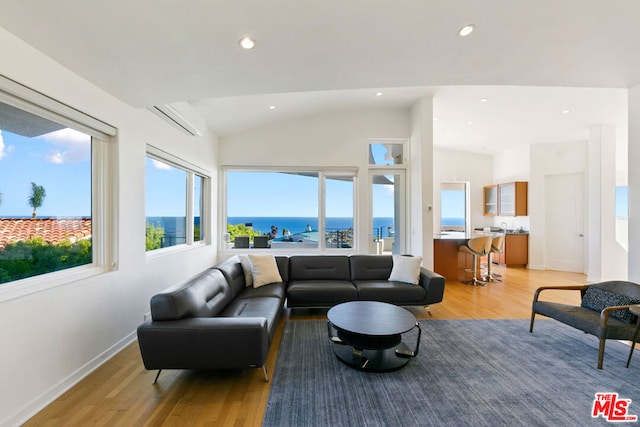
58, 389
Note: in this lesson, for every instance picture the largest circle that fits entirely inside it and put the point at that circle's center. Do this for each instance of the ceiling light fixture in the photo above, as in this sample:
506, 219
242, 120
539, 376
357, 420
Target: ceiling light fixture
272, 107
566, 111
470, 122
247, 43
378, 93
484, 100
466, 30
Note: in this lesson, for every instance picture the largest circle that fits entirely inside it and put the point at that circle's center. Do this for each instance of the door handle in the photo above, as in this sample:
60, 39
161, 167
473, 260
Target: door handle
580, 235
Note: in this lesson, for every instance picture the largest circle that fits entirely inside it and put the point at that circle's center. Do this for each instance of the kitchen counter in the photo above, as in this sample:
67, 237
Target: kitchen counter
450, 263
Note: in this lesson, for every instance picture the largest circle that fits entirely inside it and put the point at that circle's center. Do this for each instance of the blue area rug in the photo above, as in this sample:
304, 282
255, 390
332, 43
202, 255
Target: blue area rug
468, 373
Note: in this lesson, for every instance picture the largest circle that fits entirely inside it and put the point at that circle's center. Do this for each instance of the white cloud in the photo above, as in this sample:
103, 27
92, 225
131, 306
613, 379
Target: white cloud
55, 157
160, 165
5, 149
70, 146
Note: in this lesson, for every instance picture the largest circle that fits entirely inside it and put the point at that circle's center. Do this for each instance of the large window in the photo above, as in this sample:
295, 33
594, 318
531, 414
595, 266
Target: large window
52, 190
174, 202
290, 210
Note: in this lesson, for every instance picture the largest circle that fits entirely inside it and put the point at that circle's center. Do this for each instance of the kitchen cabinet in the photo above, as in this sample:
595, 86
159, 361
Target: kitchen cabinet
515, 252
512, 199
491, 200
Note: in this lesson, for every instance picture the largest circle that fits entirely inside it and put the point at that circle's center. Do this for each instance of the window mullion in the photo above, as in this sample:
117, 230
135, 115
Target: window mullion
322, 211
189, 210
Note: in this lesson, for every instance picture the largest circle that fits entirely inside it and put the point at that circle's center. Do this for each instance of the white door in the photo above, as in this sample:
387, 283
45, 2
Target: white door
565, 239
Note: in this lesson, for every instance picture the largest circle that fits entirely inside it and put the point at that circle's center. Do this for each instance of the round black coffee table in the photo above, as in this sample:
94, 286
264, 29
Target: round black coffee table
367, 335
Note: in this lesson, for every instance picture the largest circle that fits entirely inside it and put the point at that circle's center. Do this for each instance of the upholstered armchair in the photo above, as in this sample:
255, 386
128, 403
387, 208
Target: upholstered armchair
603, 311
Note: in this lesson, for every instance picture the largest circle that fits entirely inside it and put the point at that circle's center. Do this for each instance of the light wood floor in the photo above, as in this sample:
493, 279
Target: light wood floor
121, 393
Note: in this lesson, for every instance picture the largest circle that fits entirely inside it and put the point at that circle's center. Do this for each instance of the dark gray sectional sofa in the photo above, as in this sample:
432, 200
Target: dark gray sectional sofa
214, 321
327, 280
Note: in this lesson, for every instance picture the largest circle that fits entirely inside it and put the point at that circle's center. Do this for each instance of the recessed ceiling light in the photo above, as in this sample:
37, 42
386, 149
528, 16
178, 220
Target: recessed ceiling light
247, 43
484, 99
466, 30
470, 122
272, 107
566, 111
378, 93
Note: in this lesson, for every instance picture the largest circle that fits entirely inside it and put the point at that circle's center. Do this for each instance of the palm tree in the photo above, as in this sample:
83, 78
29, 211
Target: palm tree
38, 193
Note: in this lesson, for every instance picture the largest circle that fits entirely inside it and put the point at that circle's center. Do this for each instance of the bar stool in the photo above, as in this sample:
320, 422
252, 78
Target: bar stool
496, 247
478, 247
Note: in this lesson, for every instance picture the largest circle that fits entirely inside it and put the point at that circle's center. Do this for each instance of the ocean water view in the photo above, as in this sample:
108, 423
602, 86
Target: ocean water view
383, 226
452, 221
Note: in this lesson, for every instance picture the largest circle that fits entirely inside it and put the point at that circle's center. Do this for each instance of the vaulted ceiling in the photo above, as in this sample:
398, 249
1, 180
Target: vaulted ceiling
530, 59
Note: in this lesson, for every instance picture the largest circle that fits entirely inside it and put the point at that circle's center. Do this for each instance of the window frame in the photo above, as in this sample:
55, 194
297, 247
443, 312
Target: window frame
191, 171
323, 173
104, 188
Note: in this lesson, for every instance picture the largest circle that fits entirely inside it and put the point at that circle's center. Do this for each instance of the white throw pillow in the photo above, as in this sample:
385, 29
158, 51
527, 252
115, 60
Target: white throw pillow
406, 269
246, 268
264, 270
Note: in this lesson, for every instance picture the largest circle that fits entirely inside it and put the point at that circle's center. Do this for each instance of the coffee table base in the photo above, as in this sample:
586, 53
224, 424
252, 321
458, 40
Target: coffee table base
383, 360
352, 350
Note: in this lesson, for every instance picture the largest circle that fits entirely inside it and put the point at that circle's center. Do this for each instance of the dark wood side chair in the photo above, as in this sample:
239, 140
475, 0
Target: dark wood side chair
603, 311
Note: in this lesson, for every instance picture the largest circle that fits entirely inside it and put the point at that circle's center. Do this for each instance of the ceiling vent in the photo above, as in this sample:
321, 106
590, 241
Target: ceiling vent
175, 118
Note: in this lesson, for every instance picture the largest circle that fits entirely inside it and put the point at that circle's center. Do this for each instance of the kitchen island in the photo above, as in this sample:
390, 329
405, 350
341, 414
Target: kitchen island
450, 263
447, 260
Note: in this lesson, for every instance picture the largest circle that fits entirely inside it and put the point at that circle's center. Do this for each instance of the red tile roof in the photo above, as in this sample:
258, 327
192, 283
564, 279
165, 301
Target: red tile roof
52, 230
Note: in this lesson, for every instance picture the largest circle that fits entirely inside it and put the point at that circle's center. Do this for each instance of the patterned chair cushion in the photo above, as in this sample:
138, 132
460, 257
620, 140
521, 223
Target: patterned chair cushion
597, 299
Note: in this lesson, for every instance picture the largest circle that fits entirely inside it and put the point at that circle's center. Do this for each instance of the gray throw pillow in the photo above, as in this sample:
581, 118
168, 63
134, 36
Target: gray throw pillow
597, 299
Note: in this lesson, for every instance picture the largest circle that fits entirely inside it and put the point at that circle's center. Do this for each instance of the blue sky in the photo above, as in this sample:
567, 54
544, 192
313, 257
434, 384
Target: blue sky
268, 194
59, 161
452, 203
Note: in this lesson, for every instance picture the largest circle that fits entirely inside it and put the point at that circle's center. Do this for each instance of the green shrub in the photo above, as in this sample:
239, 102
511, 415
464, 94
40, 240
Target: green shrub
33, 257
154, 235
241, 230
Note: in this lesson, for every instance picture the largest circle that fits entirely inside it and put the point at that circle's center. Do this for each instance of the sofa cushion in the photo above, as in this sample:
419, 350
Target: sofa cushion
391, 292
597, 298
266, 307
246, 269
274, 290
283, 267
317, 293
232, 270
406, 269
370, 267
319, 267
264, 270
204, 295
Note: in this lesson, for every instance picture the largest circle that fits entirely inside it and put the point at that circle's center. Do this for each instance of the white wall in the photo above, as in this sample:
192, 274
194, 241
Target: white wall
421, 198
53, 338
339, 139
549, 159
634, 184
461, 166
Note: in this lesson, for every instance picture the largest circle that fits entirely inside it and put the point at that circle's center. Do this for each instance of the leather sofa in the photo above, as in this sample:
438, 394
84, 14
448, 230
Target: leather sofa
214, 321
327, 280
